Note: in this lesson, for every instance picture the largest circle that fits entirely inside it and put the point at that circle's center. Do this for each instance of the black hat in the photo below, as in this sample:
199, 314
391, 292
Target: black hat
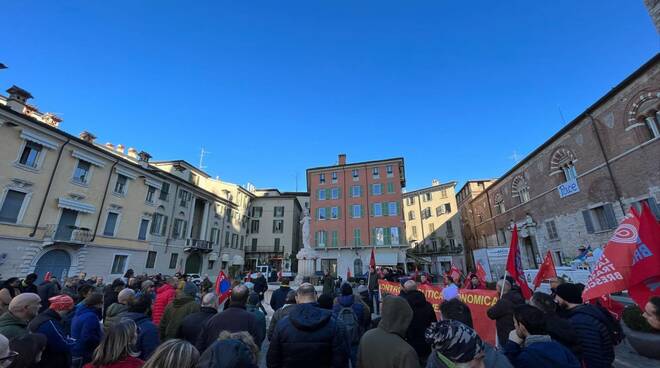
571, 293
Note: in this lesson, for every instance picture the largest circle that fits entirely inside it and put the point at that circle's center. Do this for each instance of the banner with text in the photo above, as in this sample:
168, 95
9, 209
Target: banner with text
477, 300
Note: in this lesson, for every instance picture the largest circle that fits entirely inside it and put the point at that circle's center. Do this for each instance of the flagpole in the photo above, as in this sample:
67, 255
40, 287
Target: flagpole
504, 283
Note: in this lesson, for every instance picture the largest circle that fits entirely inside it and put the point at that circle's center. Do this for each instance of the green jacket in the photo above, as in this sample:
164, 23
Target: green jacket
113, 315
12, 327
174, 314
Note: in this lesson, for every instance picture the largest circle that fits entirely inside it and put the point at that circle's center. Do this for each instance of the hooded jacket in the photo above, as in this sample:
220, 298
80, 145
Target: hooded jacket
12, 327
562, 331
113, 314
384, 346
278, 298
58, 347
308, 334
148, 339
227, 354
423, 316
191, 325
233, 319
174, 315
492, 359
278, 316
502, 313
595, 340
539, 351
86, 330
164, 295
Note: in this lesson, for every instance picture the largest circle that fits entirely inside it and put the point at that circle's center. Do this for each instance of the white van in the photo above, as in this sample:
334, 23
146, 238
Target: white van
568, 273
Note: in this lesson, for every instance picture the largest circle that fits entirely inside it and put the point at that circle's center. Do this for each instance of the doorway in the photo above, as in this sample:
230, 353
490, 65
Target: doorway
57, 262
531, 252
66, 225
193, 264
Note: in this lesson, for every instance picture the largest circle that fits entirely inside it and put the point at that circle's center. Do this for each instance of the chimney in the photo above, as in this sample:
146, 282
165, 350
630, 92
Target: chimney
87, 136
435, 182
144, 157
51, 119
132, 153
17, 98
120, 148
110, 146
342, 159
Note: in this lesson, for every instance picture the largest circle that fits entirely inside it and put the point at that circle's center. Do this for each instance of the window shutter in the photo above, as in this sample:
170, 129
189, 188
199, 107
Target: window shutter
448, 207
371, 214
387, 236
317, 214
163, 229
373, 236
339, 212
371, 189
385, 209
587, 221
338, 193
398, 229
316, 238
610, 216
328, 195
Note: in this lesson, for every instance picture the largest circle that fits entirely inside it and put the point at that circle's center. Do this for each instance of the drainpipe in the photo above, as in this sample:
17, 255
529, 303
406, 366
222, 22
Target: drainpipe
50, 184
607, 162
105, 195
170, 227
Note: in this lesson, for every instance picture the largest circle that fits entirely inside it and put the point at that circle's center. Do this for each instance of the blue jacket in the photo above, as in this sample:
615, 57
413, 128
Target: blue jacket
278, 299
595, 340
58, 346
308, 334
148, 339
346, 301
540, 352
86, 330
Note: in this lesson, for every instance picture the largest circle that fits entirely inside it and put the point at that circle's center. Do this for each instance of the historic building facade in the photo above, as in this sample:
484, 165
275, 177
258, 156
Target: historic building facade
470, 190
574, 189
355, 207
433, 227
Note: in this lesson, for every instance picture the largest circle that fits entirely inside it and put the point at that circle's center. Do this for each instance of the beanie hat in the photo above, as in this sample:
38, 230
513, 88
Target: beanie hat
60, 303
346, 289
571, 293
456, 341
190, 289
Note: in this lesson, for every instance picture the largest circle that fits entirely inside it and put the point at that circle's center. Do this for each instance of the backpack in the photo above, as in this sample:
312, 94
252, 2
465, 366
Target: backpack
612, 324
351, 324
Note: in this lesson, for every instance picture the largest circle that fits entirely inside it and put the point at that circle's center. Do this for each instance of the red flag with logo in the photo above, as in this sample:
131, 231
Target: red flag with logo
645, 273
514, 264
455, 274
372, 261
481, 273
546, 271
612, 271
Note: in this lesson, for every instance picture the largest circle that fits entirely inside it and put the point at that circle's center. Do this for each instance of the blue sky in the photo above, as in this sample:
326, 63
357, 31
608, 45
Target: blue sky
271, 88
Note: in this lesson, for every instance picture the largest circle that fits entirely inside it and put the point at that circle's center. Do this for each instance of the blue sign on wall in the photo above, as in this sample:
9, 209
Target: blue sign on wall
568, 188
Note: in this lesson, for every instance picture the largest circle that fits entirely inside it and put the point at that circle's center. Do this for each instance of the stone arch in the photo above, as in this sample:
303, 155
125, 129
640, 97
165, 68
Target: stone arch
641, 105
73, 259
518, 184
560, 158
498, 198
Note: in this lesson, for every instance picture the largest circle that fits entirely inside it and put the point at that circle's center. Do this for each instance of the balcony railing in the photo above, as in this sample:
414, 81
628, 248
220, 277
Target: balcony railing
439, 250
264, 249
67, 234
199, 244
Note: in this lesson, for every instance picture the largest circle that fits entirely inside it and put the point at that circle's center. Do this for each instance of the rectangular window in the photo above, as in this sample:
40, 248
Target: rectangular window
30, 154
431, 228
334, 193
254, 244
321, 238
390, 187
179, 229
277, 245
334, 213
447, 207
110, 224
443, 193
379, 237
257, 212
322, 214
144, 226
523, 195
164, 192
11, 207
502, 235
321, 195
392, 209
378, 209
427, 197
356, 175
151, 259
411, 215
600, 218
569, 172
322, 178
157, 223
440, 210
426, 212
215, 235
278, 211
410, 201
226, 239
394, 236
335, 238
173, 259
653, 206
375, 173
414, 232
452, 243
254, 227
551, 229
278, 226
390, 171
356, 191
334, 177
151, 191
356, 211
357, 237
81, 173
184, 198
119, 264
376, 189
242, 241
120, 184
234, 241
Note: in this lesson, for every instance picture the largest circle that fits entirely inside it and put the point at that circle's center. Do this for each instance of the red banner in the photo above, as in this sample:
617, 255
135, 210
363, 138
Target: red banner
477, 300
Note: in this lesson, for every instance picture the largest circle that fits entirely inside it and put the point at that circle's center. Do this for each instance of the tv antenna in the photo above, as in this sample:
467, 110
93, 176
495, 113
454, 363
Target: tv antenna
201, 158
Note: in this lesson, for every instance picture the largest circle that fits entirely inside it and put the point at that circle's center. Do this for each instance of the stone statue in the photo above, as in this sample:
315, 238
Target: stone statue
305, 229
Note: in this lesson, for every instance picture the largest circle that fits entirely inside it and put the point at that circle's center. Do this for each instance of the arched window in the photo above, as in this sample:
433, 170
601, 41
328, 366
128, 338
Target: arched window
499, 203
563, 162
644, 115
520, 189
357, 267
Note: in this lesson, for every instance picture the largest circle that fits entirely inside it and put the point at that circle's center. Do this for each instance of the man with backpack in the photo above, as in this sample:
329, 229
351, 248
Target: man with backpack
354, 315
598, 332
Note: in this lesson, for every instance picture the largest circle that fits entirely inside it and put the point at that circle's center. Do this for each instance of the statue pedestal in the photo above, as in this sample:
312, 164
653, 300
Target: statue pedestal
306, 265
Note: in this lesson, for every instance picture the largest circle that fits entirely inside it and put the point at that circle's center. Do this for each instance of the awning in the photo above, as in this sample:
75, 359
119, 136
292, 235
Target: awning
237, 261
225, 257
386, 259
75, 205
213, 256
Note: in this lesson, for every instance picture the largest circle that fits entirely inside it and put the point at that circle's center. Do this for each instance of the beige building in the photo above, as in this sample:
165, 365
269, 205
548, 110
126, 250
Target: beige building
273, 230
471, 189
433, 227
69, 205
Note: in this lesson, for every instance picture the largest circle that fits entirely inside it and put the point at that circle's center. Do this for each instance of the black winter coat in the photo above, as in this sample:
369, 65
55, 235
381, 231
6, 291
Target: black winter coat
423, 316
560, 330
191, 325
308, 335
278, 299
595, 340
260, 284
58, 347
234, 319
502, 313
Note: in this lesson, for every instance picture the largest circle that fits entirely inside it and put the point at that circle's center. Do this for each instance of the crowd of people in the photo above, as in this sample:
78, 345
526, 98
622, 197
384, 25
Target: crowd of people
164, 322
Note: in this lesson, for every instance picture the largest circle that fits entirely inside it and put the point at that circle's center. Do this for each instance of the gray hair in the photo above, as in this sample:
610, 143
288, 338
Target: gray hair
504, 284
210, 300
410, 285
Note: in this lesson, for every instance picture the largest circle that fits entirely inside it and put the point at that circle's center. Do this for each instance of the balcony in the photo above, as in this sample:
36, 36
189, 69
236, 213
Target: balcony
198, 245
264, 249
428, 250
68, 234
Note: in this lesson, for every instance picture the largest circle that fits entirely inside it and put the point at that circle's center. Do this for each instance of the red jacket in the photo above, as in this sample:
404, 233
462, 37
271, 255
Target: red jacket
128, 362
164, 295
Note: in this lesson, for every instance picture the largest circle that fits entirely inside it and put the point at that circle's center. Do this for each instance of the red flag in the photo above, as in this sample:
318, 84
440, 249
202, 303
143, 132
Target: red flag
645, 272
514, 265
372, 261
612, 271
481, 273
348, 273
455, 274
546, 271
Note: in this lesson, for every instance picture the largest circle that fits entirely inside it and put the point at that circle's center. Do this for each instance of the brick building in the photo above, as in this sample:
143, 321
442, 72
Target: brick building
355, 207
574, 189
470, 190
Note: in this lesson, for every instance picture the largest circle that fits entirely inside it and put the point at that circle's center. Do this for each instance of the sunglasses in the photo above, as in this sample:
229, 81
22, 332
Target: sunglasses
10, 356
